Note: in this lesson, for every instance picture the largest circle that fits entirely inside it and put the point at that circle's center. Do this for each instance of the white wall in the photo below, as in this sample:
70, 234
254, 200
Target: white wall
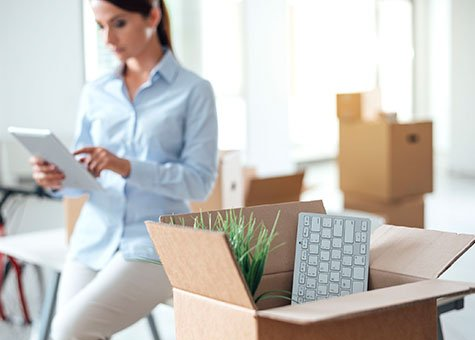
41, 75
41, 66
268, 141
462, 106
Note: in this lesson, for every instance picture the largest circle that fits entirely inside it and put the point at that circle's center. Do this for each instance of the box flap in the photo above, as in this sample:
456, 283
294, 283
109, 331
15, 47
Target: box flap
272, 190
281, 259
357, 304
200, 262
415, 253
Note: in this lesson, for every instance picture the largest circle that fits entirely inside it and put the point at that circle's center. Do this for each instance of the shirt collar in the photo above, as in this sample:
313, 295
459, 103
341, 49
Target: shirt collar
167, 68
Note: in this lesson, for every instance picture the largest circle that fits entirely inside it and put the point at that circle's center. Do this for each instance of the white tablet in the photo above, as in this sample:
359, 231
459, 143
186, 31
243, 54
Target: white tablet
43, 143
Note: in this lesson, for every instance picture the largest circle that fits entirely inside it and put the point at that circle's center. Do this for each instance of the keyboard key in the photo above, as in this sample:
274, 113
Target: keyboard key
315, 223
325, 255
344, 293
303, 266
326, 233
322, 290
336, 254
347, 260
323, 278
359, 260
323, 267
335, 265
358, 273
313, 260
312, 283
363, 237
302, 279
306, 220
301, 300
304, 255
325, 244
327, 222
363, 249
335, 276
333, 288
348, 249
304, 243
313, 249
349, 231
364, 225
358, 286
310, 295
338, 228
345, 283
314, 237
301, 290
336, 243
305, 231
358, 237
312, 271
346, 272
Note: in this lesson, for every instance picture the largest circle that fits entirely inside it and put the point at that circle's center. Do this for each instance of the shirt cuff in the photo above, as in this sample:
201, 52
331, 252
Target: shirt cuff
142, 172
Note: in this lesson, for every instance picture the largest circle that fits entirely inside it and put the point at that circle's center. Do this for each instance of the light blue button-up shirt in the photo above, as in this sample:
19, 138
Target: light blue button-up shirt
169, 135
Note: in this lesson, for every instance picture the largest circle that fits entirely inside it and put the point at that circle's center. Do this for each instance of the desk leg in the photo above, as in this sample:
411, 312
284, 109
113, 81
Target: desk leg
153, 326
47, 311
454, 305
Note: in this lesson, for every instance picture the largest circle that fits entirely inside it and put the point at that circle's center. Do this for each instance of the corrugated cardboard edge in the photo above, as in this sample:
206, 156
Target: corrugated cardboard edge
186, 252
366, 303
467, 240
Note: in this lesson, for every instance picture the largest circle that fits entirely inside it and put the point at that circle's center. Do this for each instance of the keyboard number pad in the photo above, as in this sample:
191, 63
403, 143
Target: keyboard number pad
332, 256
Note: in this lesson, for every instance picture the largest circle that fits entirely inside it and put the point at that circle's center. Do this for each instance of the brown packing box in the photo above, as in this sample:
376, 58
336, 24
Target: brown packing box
271, 190
408, 211
72, 209
386, 161
228, 189
212, 302
358, 106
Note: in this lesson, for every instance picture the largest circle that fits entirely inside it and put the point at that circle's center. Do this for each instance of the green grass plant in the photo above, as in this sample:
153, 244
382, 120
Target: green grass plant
250, 242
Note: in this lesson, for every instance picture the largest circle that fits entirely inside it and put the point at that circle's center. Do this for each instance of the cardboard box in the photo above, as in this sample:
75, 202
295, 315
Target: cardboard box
358, 106
248, 173
72, 209
386, 161
272, 190
212, 301
408, 211
228, 189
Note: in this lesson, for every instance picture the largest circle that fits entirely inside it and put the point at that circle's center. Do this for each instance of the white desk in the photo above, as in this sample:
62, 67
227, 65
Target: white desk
46, 249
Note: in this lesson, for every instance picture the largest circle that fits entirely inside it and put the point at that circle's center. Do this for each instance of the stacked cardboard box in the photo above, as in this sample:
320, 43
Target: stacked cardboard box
386, 168
212, 301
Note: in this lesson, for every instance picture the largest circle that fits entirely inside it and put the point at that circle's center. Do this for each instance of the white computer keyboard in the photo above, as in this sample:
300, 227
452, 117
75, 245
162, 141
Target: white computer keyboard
331, 256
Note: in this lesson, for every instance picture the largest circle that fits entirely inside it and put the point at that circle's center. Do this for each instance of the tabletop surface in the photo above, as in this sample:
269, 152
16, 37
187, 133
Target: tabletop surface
44, 248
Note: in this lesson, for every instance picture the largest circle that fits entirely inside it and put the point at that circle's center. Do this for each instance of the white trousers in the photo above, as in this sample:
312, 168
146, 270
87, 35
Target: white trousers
93, 305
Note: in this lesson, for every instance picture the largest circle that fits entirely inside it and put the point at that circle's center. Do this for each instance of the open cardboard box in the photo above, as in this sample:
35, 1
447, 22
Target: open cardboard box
212, 301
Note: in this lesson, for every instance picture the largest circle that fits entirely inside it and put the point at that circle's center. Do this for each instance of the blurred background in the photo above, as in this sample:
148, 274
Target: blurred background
276, 67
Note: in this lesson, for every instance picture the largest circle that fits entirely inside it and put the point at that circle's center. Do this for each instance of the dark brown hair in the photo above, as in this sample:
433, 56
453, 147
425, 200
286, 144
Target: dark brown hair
144, 7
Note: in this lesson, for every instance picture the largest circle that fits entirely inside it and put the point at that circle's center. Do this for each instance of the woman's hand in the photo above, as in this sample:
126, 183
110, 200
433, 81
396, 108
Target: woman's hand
99, 159
45, 174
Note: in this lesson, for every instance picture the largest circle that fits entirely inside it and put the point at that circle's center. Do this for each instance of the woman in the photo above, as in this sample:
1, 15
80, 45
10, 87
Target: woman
149, 133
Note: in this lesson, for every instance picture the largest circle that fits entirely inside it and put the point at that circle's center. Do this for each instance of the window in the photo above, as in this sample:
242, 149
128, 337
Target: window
345, 46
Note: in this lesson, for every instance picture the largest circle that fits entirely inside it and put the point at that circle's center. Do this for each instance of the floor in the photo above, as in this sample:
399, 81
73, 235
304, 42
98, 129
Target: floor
449, 208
